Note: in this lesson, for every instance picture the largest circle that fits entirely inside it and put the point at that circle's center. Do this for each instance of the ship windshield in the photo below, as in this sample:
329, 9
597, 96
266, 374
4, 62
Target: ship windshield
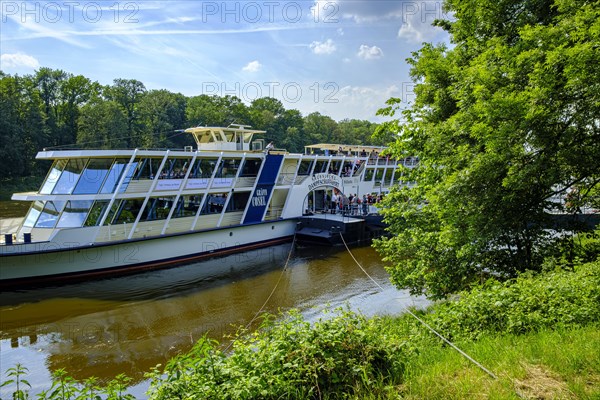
93, 176
74, 213
69, 177
53, 176
49, 215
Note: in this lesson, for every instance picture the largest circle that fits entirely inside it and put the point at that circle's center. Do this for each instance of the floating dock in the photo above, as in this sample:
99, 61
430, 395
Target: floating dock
327, 229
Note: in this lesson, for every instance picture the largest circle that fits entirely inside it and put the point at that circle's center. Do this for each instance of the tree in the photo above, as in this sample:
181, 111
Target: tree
102, 124
128, 93
216, 111
160, 113
319, 128
503, 124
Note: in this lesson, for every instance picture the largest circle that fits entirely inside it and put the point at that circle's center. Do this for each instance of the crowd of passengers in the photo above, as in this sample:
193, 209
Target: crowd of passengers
350, 205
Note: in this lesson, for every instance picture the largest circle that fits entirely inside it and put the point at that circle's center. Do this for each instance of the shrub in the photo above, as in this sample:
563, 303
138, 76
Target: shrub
528, 303
289, 358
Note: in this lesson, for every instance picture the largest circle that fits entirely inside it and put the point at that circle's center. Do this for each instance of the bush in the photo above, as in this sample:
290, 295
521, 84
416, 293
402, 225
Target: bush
526, 304
286, 359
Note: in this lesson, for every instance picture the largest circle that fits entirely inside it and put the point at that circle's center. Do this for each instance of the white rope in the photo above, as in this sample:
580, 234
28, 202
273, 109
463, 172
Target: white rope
487, 371
260, 310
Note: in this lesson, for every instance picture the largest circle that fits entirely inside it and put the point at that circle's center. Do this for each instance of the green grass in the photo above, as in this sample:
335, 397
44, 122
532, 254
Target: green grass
547, 365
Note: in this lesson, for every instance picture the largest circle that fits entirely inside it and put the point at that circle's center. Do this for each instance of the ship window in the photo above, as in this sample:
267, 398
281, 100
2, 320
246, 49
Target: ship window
175, 168
53, 176
74, 213
68, 179
321, 166
250, 168
388, 176
378, 176
127, 211
112, 180
214, 203
203, 168
113, 210
98, 209
238, 202
335, 167
33, 214
187, 206
49, 215
369, 175
93, 176
305, 166
228, 168
157, 208
146, 168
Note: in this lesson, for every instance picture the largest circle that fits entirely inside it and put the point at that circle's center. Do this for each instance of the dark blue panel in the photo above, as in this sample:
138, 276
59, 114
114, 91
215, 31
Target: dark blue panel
262, 193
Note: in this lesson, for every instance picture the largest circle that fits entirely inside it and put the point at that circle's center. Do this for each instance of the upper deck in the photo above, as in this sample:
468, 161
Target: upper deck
232, 138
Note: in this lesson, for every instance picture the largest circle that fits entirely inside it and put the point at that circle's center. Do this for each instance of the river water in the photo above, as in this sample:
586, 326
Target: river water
131, 324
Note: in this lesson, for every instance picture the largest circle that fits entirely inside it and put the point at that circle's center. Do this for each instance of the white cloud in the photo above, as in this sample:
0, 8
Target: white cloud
326, 47
369, 52
18, 60
252, 66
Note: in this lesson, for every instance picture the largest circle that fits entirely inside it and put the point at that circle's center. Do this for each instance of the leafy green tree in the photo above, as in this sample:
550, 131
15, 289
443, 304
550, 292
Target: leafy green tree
266, 113
504, 124
128, 93
160, 113
319, 128
293, 139
354, 131
102, 124
212, 110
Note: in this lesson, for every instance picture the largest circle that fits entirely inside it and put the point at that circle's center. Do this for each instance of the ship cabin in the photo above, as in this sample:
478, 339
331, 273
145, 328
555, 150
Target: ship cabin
229, 180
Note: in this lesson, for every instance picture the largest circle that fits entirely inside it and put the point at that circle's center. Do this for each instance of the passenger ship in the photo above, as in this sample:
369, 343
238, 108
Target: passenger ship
105, 212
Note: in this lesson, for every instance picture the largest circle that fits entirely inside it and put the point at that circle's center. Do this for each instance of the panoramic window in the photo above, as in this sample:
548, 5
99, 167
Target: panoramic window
114, 175
33, 214
238, 201
203, 168
321, 166
368, 177
388, 176
175, 168
69, 177
49, 215
53, 176
305, 166
250, 168
124, 211
74, 214
96, 212
214, 203
187, 206
157, 208
228, 168
146, 168
379, 176
93, 176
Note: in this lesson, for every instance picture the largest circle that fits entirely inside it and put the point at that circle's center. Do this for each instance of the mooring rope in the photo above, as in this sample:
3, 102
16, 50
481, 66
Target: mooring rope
448, 342
260, 310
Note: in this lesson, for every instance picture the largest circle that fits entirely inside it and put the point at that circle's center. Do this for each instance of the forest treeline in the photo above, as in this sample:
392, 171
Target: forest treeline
56, 108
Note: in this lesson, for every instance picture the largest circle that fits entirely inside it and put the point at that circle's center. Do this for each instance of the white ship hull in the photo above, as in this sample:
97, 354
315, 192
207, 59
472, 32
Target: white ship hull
49, 262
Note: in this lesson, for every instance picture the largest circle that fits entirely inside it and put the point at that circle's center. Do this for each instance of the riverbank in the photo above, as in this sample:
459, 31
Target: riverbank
538, 335
21, 184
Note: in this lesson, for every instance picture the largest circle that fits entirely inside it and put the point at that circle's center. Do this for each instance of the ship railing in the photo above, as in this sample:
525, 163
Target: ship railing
273, 213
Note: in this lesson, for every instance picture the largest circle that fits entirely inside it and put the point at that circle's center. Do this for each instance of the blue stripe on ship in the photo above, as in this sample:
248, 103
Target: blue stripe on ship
264, 188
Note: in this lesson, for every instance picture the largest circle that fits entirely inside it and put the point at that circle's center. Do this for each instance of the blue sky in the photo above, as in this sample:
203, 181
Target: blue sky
342, 58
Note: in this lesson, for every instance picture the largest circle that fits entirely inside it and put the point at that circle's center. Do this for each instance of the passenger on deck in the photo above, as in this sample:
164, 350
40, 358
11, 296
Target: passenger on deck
269, 148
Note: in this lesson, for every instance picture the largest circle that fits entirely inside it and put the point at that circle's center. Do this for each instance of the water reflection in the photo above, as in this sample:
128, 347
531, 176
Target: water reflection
130, 324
